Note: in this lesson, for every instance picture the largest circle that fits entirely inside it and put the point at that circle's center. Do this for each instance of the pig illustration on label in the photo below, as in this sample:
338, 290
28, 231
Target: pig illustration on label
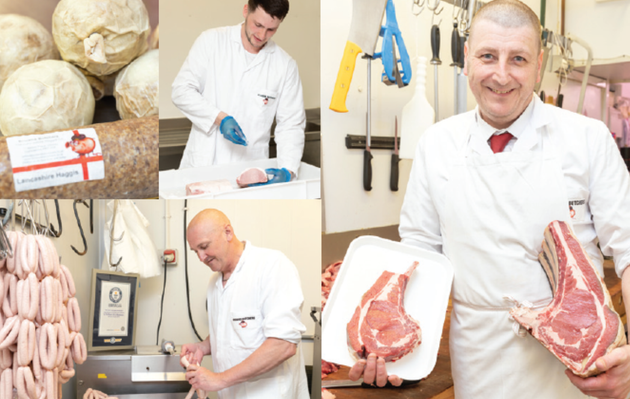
81, 144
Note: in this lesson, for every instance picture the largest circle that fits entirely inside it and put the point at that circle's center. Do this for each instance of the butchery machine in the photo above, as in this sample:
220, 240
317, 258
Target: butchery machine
150, 372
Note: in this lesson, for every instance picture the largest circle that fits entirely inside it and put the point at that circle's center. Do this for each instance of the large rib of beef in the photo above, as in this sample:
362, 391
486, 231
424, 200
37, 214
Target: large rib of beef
380, 325
580, 324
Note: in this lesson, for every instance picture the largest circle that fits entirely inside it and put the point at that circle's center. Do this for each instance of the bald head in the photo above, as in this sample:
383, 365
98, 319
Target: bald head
209, 220
508, 14
211, 236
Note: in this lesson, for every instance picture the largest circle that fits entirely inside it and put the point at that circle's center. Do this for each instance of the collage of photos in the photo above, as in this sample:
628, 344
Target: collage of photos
351, 199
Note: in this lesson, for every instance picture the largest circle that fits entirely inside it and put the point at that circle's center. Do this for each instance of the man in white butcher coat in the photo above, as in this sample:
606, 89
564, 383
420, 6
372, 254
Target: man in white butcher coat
487, 212
233, 83
254, 305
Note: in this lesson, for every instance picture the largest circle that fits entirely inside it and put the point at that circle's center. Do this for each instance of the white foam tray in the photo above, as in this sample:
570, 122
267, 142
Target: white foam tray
307, 186
426, 300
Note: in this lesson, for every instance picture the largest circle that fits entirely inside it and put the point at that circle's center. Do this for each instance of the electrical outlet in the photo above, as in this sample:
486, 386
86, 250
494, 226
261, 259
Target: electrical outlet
170, 256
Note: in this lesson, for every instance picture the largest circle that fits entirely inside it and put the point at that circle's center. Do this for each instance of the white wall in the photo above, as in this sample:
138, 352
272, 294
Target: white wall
290, 226
346, 205
183, 21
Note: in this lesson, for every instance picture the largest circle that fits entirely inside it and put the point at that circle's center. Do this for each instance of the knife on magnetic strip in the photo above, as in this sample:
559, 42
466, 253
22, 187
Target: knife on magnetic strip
365, 26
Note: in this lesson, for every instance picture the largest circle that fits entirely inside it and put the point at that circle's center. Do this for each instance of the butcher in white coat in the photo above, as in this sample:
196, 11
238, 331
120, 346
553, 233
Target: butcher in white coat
486, 208
254, 307
233, 84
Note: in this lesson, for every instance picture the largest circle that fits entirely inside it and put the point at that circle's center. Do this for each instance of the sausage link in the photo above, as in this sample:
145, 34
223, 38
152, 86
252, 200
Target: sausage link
74, 315
14, 238
26, 343
48, 299
79, 351
47, 346
61, 344
64, 287
6, 384
33, 286
9, 332
9, 305
37, 367
45, 265
59, 304
72, 291
50, 385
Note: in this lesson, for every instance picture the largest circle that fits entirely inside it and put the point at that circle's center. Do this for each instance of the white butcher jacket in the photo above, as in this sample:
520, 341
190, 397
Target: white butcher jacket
597, 190
261, 299
216, 77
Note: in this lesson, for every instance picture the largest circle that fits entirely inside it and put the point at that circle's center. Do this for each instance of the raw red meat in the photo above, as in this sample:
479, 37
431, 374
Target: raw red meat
580, 324
326, 394
380, 325
328, 368
251, 176
208, 187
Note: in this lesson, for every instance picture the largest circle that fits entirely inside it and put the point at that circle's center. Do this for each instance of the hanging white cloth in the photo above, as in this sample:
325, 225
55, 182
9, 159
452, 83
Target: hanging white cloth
132, 243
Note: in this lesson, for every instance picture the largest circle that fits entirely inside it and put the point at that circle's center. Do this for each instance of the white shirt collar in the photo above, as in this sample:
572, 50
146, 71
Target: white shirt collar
516, 128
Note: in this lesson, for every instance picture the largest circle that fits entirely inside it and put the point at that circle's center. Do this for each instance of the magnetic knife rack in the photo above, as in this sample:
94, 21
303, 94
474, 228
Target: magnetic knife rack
376, 142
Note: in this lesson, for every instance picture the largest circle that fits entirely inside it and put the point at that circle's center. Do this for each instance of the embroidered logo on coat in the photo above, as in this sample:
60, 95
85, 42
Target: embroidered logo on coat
243, 324
576, 209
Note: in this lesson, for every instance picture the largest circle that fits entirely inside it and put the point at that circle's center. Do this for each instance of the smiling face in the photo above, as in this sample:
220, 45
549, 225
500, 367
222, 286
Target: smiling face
503, 66
258, 28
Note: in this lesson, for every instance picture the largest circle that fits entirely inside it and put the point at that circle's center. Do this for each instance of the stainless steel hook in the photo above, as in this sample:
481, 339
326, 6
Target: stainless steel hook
111, 237
419, 4
76, 215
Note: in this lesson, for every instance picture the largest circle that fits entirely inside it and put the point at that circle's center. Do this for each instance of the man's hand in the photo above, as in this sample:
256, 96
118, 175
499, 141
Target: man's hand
202, 378
277, 176
232, 131
193, 352
614, 383
373, 370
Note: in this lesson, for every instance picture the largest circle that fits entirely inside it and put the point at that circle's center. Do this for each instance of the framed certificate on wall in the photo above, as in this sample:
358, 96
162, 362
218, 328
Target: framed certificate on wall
113, 310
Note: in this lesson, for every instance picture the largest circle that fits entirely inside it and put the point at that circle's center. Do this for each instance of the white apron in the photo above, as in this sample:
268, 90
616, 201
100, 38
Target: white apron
497, 207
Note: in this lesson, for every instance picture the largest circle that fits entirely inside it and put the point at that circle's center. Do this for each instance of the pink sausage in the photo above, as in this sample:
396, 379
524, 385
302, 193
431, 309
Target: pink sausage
79, 351
6, 384
61, 344
48, 299
59, 306
14, 238
9, 305
6, 358
33, 286
26, 343
50, 385
9, 332
47, 346
64, 287
71, 288
37, 368
74, 315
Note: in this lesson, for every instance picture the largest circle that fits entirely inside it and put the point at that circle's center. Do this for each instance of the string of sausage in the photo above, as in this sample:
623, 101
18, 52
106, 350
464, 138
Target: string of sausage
201, 394
40, 321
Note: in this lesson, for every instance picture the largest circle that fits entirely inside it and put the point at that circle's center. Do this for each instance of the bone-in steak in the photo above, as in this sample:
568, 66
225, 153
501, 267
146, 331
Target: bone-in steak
580, 324
379, 324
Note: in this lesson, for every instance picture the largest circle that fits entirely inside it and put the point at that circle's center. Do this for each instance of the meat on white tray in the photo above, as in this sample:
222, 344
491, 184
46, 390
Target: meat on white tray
380, 324
208, 187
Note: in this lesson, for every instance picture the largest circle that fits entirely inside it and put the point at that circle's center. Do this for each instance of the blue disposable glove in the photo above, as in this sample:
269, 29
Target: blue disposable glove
232, 131
276, 176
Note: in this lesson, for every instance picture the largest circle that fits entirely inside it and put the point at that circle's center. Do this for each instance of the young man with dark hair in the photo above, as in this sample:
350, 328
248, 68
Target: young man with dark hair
233, 84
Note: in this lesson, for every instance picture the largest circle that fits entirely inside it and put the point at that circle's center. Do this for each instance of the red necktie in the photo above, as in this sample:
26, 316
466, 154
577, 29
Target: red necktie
499, 141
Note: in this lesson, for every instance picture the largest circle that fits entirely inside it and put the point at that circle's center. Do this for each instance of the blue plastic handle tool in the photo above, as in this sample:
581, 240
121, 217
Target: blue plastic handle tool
388, 32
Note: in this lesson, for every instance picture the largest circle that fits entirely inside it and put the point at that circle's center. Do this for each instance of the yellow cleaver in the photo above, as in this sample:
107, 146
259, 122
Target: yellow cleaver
367, 16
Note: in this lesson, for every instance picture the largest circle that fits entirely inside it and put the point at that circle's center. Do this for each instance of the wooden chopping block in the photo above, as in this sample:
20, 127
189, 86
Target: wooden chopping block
131, 159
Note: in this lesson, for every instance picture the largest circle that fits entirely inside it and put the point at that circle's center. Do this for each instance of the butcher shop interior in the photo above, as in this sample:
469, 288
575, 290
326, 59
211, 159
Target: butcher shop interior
91, 254
585, 70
